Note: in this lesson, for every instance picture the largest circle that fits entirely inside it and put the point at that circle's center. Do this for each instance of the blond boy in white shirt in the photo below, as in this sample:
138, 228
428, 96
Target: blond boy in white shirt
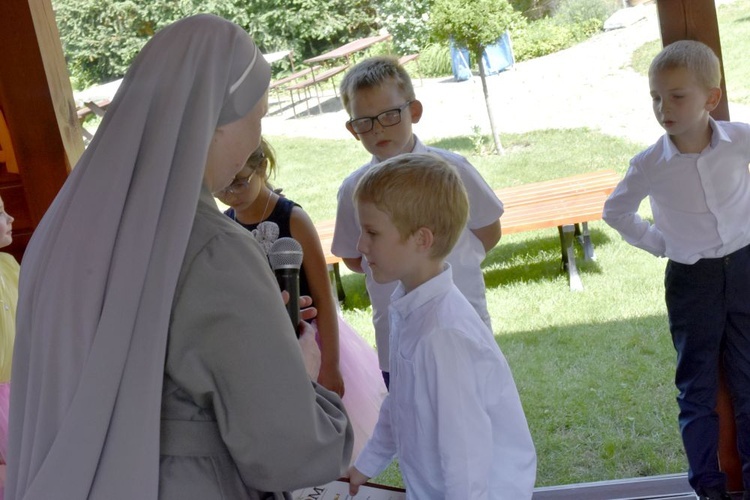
453, 416
696, 178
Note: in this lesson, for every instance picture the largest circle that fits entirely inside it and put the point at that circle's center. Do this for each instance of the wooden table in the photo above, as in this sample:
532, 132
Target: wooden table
344, 51
348, 49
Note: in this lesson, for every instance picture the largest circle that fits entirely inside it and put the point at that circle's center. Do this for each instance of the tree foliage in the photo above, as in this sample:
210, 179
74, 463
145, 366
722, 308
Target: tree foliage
473, 25
407, 22
101, 37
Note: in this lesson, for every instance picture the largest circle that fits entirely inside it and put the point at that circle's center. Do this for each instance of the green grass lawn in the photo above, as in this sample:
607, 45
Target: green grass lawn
734, 31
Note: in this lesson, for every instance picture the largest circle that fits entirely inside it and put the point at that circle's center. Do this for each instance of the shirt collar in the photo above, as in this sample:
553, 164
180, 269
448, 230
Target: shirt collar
669, 150
406, 303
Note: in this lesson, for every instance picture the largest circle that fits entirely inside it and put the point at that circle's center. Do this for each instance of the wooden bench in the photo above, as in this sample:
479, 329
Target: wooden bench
314, 82
277, 86
325, 233
568, 204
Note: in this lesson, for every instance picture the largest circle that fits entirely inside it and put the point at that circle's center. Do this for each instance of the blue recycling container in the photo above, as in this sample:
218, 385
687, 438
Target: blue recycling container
496, 58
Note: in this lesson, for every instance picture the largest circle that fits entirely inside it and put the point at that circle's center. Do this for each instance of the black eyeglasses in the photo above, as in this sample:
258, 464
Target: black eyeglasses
386, 119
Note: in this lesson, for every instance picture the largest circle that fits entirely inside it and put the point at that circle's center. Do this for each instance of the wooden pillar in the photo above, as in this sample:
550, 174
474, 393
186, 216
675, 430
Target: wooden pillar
36, 101
696, 20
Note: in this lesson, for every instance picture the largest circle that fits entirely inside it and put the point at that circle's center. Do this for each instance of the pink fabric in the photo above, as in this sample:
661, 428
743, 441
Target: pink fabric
363, 382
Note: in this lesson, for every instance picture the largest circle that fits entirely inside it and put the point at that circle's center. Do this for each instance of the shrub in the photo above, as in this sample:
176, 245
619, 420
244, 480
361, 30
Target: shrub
407, 22
539, 38
581, 11
435, 60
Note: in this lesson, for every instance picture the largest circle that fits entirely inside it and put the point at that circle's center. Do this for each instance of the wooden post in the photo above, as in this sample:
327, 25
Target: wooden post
696, 20
36, 100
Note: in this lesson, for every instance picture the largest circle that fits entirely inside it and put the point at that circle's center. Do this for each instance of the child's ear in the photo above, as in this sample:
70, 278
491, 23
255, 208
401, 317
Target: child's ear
416, 110
425, 238
714, 96
351, 130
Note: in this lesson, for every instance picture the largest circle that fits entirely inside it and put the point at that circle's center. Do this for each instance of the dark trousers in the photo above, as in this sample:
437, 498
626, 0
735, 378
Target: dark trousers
709, 316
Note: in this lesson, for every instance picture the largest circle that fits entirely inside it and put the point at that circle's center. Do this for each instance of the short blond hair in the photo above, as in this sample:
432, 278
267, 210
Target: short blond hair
418, 190
696, 57
374, 72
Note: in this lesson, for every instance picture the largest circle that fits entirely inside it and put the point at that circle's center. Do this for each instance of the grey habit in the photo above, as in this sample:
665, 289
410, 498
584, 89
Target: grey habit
141, 310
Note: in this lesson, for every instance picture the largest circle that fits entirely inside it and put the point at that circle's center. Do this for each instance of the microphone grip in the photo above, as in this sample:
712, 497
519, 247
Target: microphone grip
288, 280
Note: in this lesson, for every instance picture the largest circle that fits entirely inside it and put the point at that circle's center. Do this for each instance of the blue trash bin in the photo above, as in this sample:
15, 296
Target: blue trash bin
460, 62
497, 57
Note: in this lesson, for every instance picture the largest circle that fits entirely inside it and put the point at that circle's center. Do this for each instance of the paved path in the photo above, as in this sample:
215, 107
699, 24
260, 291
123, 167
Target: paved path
588, 85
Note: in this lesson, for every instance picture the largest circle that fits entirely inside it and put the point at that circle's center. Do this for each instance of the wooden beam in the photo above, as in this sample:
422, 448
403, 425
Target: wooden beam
694, 20
697, 20
37, 102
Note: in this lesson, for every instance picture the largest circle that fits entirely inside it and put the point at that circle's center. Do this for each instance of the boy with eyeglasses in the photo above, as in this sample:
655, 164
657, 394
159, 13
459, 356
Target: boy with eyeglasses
379, 97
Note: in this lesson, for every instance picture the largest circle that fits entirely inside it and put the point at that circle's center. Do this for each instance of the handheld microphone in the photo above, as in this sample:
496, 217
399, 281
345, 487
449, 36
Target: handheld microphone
285, 257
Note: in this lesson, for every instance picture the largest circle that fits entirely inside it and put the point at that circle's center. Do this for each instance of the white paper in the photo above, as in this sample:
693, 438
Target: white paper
339, 490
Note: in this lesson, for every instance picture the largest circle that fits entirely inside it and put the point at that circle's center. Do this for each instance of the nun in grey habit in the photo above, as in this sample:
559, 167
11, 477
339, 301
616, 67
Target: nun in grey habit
154, 357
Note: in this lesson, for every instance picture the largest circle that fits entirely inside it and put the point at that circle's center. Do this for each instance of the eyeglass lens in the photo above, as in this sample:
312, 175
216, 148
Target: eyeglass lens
386, 119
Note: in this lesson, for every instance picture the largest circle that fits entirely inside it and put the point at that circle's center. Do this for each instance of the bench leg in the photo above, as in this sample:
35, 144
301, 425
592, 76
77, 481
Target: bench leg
317, 94
335, 275
294, 108
588, 247
567, 236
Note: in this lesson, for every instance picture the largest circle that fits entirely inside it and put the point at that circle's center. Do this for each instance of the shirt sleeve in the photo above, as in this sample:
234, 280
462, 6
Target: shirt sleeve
485, 207
380, 449
232, 348
346, 230
621, 212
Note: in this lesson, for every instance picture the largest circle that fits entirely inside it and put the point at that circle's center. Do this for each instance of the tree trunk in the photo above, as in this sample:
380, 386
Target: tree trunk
495, 136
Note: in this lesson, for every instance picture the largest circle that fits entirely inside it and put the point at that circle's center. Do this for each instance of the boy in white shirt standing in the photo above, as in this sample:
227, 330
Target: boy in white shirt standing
379, 96
696, 177
453, 416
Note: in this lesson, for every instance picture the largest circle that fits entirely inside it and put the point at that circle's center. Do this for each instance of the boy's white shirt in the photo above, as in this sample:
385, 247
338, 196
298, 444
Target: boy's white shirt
466, 257
700, 202
453, 417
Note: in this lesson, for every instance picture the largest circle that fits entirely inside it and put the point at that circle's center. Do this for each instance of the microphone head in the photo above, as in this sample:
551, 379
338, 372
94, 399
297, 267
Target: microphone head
285, 253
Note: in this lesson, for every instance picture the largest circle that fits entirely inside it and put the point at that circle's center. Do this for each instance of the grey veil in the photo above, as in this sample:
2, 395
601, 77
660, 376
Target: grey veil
99, 275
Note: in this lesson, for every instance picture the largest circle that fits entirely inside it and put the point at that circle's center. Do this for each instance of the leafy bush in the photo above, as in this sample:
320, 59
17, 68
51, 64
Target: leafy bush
582, 11
407, 22
552, 34
535, 9
435, 60
539, 38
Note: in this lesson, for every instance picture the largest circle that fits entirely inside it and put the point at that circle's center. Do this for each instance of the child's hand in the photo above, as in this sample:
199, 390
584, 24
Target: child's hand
330, 378
356, 479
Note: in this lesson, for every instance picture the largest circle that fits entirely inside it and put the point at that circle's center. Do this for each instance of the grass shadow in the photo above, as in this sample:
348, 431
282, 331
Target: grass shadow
536, 260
